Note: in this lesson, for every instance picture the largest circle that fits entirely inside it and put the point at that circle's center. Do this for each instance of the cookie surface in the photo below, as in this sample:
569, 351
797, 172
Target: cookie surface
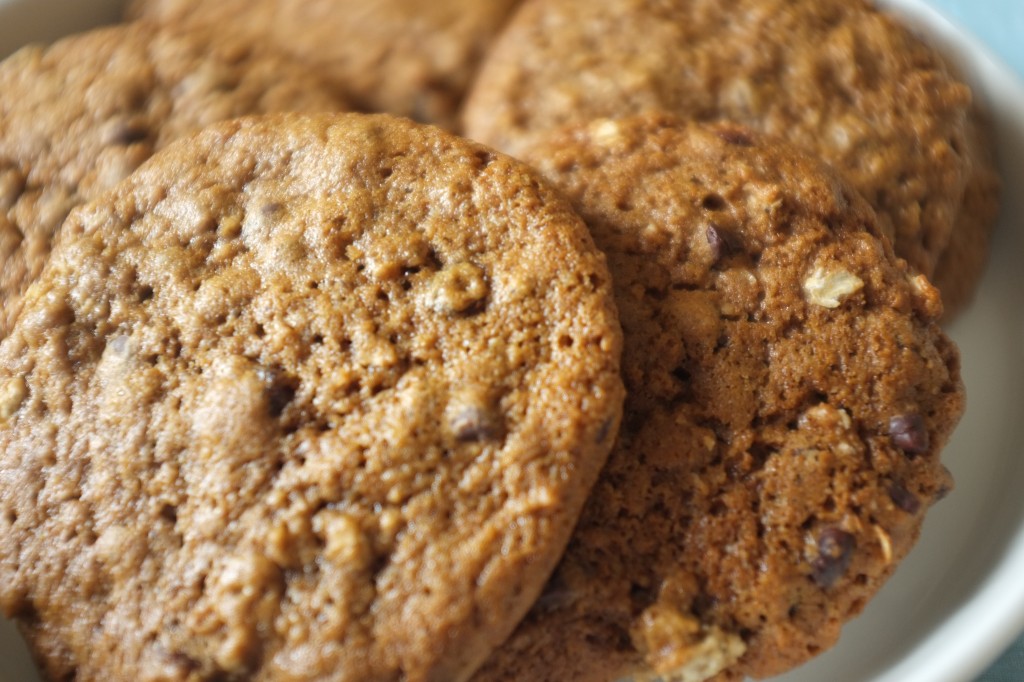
78, 116
303, 397
962, 265
397, 56
837, 78
788, 393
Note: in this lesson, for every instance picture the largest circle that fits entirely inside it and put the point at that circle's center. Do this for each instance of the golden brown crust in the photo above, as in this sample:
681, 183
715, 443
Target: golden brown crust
835, 77
788, 394
404, 57
78, 116
303, 398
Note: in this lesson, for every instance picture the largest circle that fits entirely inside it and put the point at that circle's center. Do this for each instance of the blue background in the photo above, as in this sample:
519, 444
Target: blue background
1000, 25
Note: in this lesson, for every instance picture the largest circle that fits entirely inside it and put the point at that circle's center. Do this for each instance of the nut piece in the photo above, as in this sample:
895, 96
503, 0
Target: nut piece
12, 395
239, 602
885, 543
606, 132
457, 288
828, 288
927, 298
345, 544
679, 648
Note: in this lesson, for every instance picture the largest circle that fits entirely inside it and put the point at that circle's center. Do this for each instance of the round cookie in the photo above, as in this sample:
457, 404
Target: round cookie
403, 57
78, 116
964, 260
302, 398
835, 77
788, 394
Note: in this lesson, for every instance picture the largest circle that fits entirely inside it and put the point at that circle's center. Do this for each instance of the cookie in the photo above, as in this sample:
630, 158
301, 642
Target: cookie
399, 56
78, 116
837, 78
302, 398
963, 262
788, 394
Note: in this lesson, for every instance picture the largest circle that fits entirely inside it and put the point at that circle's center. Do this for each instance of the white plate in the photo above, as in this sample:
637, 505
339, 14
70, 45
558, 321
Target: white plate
958, 600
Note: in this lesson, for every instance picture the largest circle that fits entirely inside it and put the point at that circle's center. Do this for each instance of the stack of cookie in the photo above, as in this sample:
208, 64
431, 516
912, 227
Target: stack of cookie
653, 385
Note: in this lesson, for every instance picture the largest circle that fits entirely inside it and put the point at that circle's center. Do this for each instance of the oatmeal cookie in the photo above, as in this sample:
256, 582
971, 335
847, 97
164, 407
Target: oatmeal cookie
963, 262
404, 57
304, 397
835, 77
788, 394
78, 116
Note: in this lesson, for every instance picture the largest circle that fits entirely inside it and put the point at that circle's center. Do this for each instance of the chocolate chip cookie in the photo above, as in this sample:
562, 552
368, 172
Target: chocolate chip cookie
400, 56
78, 116
788, 394
304, 397
959, 271
835, 77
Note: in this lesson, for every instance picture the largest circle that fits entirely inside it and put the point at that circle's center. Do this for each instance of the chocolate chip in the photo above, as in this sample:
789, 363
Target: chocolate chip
835, 550
721, 241
736, 136
128, 134
716, 242
904, 499
909, 433
473, 424
606, 428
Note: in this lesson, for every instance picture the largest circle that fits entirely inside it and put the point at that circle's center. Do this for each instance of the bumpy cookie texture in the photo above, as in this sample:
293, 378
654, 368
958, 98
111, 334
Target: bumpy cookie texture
835, 77
962, 265
399, 56
302, 398
79, 116
788, 393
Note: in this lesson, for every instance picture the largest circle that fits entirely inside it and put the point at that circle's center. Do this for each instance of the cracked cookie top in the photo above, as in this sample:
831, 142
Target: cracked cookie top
78, 116
838, 78
304, 396
788, 395
404, 57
